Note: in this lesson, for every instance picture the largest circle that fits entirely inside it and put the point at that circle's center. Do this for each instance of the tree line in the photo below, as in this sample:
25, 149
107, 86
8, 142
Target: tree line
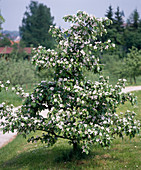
37, 20
126, 36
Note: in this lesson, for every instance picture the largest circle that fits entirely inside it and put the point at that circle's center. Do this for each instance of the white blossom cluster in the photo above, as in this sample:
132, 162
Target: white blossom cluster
4, 85
20, 91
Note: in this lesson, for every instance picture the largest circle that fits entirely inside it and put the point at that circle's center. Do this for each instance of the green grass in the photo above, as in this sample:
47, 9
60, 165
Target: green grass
123, 154
136, 108
10, 97
112, 78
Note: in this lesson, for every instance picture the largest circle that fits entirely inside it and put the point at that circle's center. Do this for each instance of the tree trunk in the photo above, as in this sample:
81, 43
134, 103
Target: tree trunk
130, 80
75, 147
134, 79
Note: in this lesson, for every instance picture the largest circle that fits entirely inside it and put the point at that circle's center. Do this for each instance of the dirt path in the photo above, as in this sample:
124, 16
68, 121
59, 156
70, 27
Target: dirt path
8, 137
131, 88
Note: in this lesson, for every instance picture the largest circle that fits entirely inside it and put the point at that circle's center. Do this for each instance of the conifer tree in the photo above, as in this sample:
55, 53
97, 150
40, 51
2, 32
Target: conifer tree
35, 26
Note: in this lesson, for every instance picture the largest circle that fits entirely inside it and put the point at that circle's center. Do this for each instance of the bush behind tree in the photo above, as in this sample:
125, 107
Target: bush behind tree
18, 72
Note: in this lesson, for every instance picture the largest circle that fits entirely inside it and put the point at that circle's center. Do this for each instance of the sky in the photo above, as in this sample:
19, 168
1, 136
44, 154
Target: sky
13, 10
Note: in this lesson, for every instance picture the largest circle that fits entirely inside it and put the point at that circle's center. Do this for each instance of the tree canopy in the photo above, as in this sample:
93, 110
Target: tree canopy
134, 19
78, 110
35, 25
132, 64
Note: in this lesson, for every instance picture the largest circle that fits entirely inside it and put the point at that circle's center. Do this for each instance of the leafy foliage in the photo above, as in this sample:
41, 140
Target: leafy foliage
78, 110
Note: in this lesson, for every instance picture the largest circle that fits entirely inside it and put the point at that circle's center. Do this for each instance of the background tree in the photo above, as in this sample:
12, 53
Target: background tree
1, 20
118, 20
134, 19
109, 13
132, 33
132, 65
4, 41
35, 25
116, 29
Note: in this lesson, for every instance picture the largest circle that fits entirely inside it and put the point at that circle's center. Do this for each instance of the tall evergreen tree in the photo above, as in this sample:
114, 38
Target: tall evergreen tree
35, 26
132, 34
134, 19
109, 13
110, 31
118, 21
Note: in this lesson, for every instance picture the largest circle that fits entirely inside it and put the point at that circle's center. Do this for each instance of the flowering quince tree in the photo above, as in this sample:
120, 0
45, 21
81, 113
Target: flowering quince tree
78, 110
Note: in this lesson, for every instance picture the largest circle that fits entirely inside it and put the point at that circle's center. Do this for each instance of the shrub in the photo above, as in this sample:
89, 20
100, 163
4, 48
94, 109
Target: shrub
78, 110
18, 72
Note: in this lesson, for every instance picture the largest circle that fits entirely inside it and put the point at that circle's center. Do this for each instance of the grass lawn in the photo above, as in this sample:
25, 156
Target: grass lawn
123, 154
10, 97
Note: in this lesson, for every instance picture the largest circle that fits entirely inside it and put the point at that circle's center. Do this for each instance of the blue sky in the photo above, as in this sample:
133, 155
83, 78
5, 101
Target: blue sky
13, 10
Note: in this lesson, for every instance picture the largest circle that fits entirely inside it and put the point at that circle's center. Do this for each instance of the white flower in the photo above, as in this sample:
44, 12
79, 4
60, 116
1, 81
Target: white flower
40, 46
55, 100
65, 79
61, 105
100, 134
106, 47
95, 47
82, 52
97, 140
95, 132
83, 102
85, 125
113, 45
89, 130
52, 88
13, 88
130, 130
8, 82
1, 105
109, 41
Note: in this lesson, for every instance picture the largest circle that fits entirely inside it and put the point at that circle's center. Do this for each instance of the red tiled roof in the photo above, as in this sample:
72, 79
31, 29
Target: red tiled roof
8, 50
5, 50
27, 50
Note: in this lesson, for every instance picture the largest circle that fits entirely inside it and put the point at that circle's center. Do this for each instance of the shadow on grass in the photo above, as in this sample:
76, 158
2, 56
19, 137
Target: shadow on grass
56, 158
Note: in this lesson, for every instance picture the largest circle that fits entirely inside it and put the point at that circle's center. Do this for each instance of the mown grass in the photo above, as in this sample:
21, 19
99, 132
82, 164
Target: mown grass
123, 154
9, 97
112, 78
